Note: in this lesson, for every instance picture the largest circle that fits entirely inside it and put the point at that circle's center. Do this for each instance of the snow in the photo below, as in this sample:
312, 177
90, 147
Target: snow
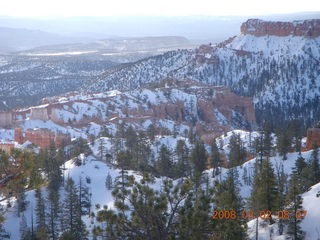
60, 53
97, 172
36, 124
274, 46
7, 134
311, 203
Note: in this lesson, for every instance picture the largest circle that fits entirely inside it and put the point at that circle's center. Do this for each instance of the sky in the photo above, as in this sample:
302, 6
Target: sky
68, 8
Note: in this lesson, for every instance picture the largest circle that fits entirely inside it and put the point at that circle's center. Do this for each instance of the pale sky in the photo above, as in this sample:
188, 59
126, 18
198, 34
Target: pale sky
52, 8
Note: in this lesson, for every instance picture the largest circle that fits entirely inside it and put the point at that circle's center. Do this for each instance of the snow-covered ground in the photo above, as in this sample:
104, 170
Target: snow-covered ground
97, 172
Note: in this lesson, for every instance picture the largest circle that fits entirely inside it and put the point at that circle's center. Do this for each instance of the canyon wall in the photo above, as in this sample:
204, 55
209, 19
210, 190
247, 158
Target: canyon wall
258, 28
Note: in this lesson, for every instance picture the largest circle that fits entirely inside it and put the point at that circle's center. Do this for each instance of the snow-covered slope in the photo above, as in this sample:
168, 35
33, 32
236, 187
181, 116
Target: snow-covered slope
281, 73
25, 80
97, 171
172, 106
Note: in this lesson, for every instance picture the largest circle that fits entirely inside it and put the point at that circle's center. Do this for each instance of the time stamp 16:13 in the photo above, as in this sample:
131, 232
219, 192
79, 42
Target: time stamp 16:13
283, 214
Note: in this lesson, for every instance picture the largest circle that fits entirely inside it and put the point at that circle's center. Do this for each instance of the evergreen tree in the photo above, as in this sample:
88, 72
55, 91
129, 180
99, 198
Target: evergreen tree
314, 165
300, 164
52, 168
295, 204
131, 138
104, 132
164, 162
151, 131
72, 212
216, 161
264, 194
53, 214
101, 149
41, 230
79, 146
142, 153
193, 220
109, 182
237, 154
123, 180
68, 236
295, 131
283, 189
182, 154
153, 215
227, 198
198, 157
283, 144
84, 198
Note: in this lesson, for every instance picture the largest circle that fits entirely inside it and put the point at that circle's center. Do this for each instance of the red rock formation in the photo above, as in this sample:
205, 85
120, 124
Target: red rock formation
7, 147
226, 42
40, 137
313, 138
258, 28
18, 136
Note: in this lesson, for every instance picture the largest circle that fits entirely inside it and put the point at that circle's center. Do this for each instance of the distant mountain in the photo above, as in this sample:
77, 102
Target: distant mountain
276, 63
117, 45
25, 80
17, 39
199, 29
27, 77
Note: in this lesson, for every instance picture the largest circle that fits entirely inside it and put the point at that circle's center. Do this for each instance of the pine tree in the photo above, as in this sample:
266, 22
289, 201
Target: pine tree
122, 181
158, 215
182, 154
283, 189
84, 198
283, 144
142, 153
101, 149
109, 182
295, 204
237, 154
164, 162
72, 212
52, 168
151, 131
227, 198
300, 164
198, 157
53, 214
40, 211
294, 129
216, 161
131, 138
314, 165
264, 194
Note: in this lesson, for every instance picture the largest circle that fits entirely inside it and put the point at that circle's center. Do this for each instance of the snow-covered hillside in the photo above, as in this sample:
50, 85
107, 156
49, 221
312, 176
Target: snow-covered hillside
25, 80
173, 107
97, 171
281, 73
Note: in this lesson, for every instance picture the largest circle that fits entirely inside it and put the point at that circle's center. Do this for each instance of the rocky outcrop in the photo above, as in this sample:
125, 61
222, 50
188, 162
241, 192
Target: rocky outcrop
186, 104
41, 137
6, 146
258, 28
313, 138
